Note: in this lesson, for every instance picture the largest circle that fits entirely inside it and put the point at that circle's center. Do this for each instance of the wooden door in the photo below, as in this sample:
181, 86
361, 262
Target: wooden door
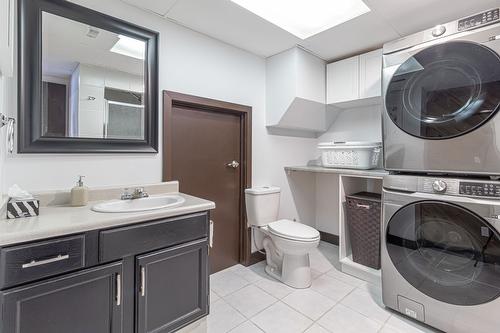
207, 148
83, 302
173, 287
203, 143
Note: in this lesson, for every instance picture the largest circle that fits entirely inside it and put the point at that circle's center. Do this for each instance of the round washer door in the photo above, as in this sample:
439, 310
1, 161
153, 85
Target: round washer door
446, 252
445, 90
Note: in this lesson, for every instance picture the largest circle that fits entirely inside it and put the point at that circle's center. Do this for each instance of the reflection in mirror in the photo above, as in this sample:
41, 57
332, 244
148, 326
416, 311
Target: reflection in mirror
92, 81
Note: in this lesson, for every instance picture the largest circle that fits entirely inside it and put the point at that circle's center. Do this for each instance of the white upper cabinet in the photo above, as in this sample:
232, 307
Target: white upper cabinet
343, 80
7, 37
355, 81
370, 74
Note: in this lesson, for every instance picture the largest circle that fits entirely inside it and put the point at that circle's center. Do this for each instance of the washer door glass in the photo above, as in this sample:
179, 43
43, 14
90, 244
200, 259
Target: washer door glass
445, 91
445, 251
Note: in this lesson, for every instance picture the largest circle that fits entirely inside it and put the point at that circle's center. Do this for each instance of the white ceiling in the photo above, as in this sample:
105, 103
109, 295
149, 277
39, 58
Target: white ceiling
388, 20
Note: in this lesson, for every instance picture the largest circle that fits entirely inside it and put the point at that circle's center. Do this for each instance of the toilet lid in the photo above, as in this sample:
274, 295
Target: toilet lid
293, 230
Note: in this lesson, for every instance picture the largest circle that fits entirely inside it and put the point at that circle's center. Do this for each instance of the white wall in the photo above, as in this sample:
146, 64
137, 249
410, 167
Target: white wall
358, 124
190, 63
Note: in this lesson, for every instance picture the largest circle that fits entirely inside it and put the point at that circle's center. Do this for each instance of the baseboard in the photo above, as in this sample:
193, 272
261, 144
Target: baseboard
329, 238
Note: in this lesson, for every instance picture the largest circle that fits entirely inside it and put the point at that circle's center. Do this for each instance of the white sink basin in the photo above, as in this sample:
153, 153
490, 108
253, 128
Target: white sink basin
139, 205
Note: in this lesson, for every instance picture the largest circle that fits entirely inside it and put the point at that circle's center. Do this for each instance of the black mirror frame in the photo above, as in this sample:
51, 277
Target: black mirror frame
30, 139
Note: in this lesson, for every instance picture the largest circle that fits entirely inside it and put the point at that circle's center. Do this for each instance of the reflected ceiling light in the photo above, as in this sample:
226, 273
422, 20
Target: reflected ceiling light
305, 18
130, 47
92, 32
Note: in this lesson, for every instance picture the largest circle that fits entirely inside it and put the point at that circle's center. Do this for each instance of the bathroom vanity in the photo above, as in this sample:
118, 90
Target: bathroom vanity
135, 272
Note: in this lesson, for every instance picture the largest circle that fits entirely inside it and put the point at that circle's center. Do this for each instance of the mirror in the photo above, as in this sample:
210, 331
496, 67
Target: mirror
92, 81
96, 87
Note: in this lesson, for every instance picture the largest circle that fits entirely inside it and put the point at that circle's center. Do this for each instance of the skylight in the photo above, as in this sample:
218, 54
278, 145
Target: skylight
129, 47
305, 18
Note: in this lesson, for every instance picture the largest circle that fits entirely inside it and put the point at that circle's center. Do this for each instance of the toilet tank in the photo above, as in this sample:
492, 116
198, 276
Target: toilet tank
262, 204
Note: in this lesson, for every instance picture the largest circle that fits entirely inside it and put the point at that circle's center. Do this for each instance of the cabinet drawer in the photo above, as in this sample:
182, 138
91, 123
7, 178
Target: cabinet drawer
140, 238
24, 263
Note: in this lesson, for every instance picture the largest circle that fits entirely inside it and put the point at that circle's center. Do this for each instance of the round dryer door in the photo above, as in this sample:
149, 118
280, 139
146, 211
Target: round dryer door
445, 90
445, 251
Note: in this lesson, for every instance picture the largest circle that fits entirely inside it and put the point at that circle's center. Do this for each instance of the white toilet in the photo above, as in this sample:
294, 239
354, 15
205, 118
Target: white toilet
287, 243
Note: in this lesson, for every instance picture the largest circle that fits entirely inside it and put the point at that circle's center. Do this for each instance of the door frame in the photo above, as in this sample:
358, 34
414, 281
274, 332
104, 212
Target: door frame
173, 99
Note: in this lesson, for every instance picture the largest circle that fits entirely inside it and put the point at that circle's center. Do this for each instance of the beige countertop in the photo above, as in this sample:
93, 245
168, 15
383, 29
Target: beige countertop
59, 220
353, 172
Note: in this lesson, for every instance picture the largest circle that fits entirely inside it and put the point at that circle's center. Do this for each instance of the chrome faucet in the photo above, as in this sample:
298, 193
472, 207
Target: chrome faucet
137, 194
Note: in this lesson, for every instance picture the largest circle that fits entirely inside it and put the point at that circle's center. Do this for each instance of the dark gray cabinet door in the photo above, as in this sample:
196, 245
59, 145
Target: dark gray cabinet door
173, 287
85, 302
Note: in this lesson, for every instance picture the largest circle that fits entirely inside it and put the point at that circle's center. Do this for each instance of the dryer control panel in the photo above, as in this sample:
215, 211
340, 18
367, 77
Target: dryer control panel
478, 20
480, 189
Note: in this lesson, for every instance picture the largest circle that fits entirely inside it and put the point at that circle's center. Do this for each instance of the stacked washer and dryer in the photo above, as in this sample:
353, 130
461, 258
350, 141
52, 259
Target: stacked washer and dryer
441, 201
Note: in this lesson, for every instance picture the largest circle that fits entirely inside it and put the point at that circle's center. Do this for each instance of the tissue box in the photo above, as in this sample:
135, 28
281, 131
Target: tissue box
22, 208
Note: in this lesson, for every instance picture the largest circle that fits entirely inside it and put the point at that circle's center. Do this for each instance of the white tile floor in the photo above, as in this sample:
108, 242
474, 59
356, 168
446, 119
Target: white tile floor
247, 300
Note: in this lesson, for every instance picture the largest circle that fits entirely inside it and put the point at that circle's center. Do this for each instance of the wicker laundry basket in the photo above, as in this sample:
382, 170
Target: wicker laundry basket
363, 221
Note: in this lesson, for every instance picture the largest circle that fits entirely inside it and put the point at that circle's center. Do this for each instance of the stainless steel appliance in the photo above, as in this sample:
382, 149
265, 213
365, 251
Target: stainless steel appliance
441, 91
441, 251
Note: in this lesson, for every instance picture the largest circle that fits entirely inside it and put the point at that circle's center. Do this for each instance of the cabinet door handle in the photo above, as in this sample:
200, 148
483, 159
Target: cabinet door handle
143, 281
34, 263
118, 289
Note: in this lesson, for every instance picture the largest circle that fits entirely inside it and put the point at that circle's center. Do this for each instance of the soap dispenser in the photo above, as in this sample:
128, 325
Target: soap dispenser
79, 193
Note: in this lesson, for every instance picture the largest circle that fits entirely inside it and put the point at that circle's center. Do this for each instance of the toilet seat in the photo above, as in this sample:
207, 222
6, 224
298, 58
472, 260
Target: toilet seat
293, 231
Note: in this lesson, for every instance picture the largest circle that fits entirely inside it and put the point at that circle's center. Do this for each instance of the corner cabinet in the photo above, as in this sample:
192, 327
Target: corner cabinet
295, 93
144, 277
7, 9
355, 81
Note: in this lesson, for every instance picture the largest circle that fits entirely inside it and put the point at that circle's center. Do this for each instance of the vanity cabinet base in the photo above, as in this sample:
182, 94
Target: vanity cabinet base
153, 287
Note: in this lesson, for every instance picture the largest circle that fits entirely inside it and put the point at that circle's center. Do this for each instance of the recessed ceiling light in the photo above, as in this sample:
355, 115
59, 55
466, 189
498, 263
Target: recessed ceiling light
305, 18
129, 47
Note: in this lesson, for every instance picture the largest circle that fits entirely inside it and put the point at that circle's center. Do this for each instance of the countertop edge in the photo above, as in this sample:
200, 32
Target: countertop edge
341, 171
105, 221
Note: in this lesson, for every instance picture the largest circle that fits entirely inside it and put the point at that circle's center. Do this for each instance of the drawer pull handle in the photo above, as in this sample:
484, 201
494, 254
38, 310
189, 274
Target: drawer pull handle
363, 206
143, 281
118, 289
34, 263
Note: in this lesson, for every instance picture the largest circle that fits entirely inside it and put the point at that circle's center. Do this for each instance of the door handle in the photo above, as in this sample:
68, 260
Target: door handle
118, 289
233, 164
143, 281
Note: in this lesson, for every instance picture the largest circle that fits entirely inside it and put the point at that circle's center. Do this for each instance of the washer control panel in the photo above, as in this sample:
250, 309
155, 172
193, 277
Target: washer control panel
460, 187
485, 18
480, 189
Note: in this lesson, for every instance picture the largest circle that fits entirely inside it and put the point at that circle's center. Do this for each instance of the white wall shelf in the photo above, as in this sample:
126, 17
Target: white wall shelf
339, 171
